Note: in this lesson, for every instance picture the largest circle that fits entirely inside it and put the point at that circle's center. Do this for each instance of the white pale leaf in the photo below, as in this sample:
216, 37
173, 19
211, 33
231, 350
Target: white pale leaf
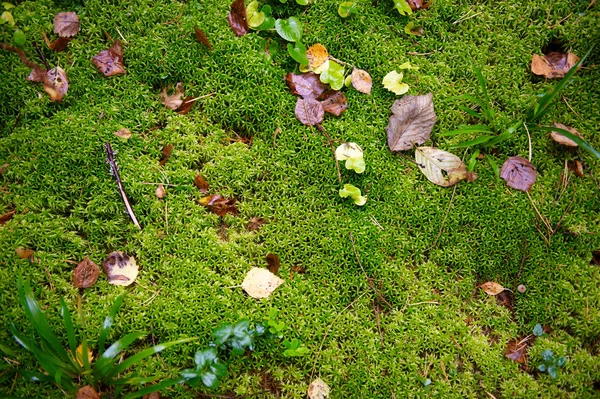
120, 268
260, 283
318, 389
347, 151
440, 167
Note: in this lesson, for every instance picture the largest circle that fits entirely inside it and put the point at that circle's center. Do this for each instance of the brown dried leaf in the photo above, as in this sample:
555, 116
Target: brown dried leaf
110, 62
85, 274
255, 223
160, 191
317, 54
66, 24
58, 45
553, 64
201, 37
273, 262
186, 105
174, 100
334, 102
307, 85
24, 253
318, 389
507, 299
219, 205
87, 392
362, 81
411, 122
518, 173
167, 151
153, 395
201, 183
37, 75
237, 18
7, 216
492, 288
576, 167
440, 167
124, 133
56, 83
309, 111
417, 5
120, 268
3, 168
260, 283
516, 350
560, 139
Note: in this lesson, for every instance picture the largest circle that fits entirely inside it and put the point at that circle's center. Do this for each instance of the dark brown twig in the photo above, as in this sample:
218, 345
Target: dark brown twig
21, 55
41, 54
114, 170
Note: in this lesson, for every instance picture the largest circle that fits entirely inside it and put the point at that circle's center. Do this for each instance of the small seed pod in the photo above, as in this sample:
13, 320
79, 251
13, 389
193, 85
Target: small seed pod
521, 288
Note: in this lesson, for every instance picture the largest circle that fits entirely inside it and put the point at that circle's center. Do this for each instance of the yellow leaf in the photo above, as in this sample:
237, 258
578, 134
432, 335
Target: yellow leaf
393, 82
79, 355
260, 283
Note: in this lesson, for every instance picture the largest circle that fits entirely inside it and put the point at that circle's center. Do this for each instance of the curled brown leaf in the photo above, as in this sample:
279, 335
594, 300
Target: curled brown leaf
560, 139
255, 223
7, 216
334, 102
553, 64
160, 191
219, 205
124, 133
273, 263
201, 183
166, 154
173, 101
362, 81
87, 392
85, 274
518, 173
110, 62
56, 84
309, 111
237, 18
24, 253
306, 85
58, 45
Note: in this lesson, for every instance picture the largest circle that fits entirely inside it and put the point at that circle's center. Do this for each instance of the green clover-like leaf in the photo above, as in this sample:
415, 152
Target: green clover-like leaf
290, 29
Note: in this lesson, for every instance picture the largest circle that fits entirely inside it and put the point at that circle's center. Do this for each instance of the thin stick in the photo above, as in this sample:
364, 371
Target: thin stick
42, 57
204, 96
337, 164
115, 172
543, 219
341, 62
572, 110
166, 216
424, 302
375, 290
444, 220
164, 184
466, 18
529, 138
120, 34
415, 53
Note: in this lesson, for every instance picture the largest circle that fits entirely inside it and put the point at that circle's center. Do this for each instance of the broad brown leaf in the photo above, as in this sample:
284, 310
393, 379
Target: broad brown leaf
120, 268
124, 133
167, 151
237, 18
417, 5
309, 111
186, 105
201, 37
518, 173
219, 205
362, 81
273, 262
85, 274
560, 139
56, 84
66, 24
87, 392
492, 288
553, 64
201, 183
334, 102
58, 45
411, 122
24, 253
307, 85
255, 223
110, 62
7, 216
174, 100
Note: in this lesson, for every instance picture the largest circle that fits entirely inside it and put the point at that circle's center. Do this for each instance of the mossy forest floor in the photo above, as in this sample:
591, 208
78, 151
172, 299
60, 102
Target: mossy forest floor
441, 326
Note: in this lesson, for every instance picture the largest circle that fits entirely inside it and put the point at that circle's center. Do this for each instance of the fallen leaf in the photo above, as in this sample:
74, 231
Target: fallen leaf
66, 24
273, 262
58, 45
553, 64
110, 62
353, 192
237, 18
166, 154
24, 253
87, 392
85, 274
153, 395
576, 167
307, 85
352, 154
219, 205
417, 5
507, 299
309, 111
7, 216
186, 105
120, 268
516, 350
37, 75
361, 81
318, 389
412, 29
298, 269
260, 283
440, 167
393, 82
201, 37
3, 168
201, 183
560, 139
124, 133
334, 102
174, 100
411, 122
160, 191
79, 355
255, 223
56, 84
518, 173
317, 54
492, 288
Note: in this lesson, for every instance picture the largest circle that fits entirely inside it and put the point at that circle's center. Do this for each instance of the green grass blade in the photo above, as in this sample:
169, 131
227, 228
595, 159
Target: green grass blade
108, 322
578, 140
489, 112
467, 129
134, 380
494, 166
64, 310
154, 388
84, 355
470, 143
471, 112
497, 139
7, 351
471, 98
104, 362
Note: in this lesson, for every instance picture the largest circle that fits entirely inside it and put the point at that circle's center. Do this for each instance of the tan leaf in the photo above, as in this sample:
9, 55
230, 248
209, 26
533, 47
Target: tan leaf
201, 183
318, 389
58, 45
255, 223
160, 191
120, 268
56, 83
174, 100
492, 288
518, 173
85, 274
553, 64
362, 81
110, 62
123, 133
273, 262
440, 167
7, 216
79, 355
260, 283
24, 253
576, 167
411, 122
317, 54
87, 392
201, 37
560, 139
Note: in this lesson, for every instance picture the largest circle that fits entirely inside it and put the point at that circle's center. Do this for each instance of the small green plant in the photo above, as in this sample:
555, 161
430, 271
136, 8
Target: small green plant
274, 326
239, 336
347, 8
538, 330
294, 348
551, 363
19, 37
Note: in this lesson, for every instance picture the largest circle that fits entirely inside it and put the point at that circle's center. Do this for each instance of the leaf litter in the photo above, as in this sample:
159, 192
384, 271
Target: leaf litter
411, 122
237, 18
560, 139
554, 64
85, 274
120, 268
219, 205
440, 167
260, 283
518, 173
110, 62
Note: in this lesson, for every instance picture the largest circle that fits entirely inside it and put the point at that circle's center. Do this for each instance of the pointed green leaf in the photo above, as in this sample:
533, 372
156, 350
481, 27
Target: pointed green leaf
290, 29
108, 322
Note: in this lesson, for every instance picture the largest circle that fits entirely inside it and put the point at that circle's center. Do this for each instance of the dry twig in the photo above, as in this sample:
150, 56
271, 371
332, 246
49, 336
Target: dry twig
114, 170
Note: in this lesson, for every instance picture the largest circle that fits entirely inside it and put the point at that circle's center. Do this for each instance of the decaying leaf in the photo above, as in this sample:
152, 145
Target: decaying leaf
255, 223
7, 216
201, 183
110, 62
120, 268
307, 85
317, 54
318, 389
411, 122
560, 139
576, 167
260, 283
66, 24
124, 133
201, 37
352, 154
87, 392
492, 288
153, 395
440, 167
507, 299
309, 111
186, 105
516, 350
24, 253
58, 45
55, 83
85, 274
166, 154
3, 168
553, 64
412, 29
160, 191
79, 355
362, 81
237, 18
518, 173
175, 101
273, 262
417, 5
219, 205
393, 82
334, 102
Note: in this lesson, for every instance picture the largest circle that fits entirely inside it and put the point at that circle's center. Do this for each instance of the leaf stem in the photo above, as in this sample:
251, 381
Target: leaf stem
115, 172
341, 62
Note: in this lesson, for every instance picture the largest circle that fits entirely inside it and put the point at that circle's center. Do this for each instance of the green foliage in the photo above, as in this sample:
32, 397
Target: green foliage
208, 370
353, 192
347, 8
294, 348
402, 7
273, 325
290, 29
551, 363
239, 336
301, 2
538, 330
334, 75
297, 51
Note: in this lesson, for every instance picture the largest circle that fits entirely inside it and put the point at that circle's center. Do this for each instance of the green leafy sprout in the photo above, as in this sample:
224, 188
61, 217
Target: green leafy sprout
347, 8
352, 154
353, 192
551, 363
294, 348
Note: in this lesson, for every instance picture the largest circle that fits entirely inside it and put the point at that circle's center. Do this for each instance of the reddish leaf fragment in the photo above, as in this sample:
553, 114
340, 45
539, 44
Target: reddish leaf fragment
298, 269
219, 205
560, 139
309, 111
66, 24
255, 223
174, 100
24, 253
201, 37
516, 350
307, 85
237, 18
417, 5
85, 274
273, 262
576, 167
553, 64
334, 102
186, 105
167, 151
201, 183
110, 62
7, 216
58, 45
518, 173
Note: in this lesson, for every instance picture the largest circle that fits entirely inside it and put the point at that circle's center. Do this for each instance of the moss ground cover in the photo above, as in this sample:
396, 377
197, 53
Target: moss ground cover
441, 327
